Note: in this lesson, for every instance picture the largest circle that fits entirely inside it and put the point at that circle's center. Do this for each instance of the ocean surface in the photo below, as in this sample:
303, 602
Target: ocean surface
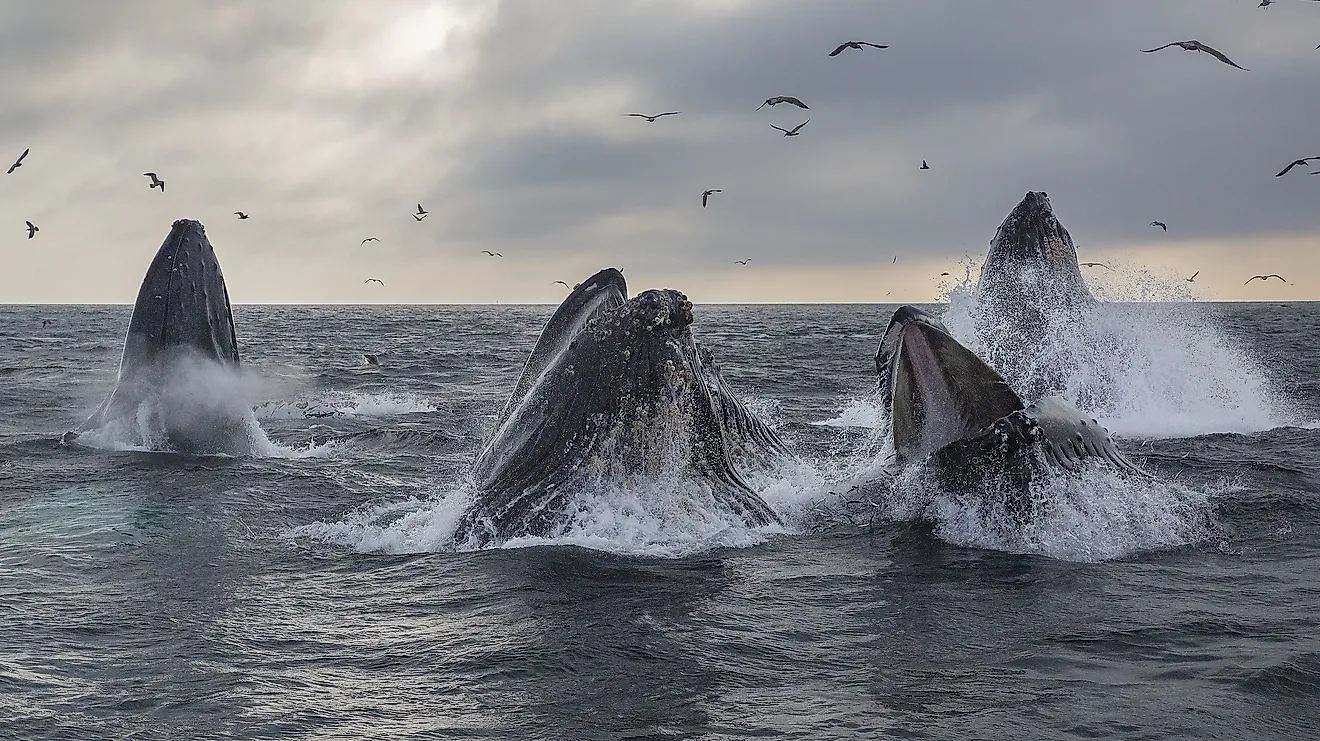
312, 591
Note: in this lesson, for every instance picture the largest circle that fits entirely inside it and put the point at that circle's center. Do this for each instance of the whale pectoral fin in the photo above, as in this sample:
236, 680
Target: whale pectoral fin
1069, 438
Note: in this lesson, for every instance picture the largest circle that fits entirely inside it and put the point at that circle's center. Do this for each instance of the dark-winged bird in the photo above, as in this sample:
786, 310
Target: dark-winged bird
1265, 277
856, 45
369, 239
794, 131
18, 162
1193, 278
705, 195
492, 254
32, 229
1160, 224
240, 215
924, 166
742, 262
155, 181
651, 119
371, 359
772, 102
374, 280
562, 283
1097, 265
1295, 163
1195, 45
421, 213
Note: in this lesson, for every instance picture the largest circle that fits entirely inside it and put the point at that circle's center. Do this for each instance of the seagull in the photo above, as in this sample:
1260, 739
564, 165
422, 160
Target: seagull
419, 218
374, 280
1193, 278
155, 181
18, 162
32, 229
1264, 3
562, 283
1295, 163
421, 213
1097, 265
924, 166
44, 322
651, 119
772, 102
1195, 45
492, 254
1265, 277
371, 359
369, 239
240, 215
856, 45
942, 274
705, 195
795, 130
1160, 224
742, 262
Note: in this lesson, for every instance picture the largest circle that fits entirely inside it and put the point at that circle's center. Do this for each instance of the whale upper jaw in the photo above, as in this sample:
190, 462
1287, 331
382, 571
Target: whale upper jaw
173, 386
1032, 257
616, 391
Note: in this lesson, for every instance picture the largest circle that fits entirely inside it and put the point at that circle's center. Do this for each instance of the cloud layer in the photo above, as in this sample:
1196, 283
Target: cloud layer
329, 121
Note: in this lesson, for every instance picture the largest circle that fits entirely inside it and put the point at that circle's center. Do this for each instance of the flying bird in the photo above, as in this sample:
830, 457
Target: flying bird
651, 119
18, 162
419, 218
856, 45
1195, 45
155, 181
492, 254
1265, 277
421, 213
772, 102
705, 195
794, 131
1160, 224
1295, 163
240, 215
1097, 265
371, 359
32, 229
562, 283
1193, 278
894, 261
369, 239
924, 166
374, 280
943, 274
742, 262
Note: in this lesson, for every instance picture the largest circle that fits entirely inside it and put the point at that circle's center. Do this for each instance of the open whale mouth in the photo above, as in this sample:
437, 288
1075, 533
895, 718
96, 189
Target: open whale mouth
937, 390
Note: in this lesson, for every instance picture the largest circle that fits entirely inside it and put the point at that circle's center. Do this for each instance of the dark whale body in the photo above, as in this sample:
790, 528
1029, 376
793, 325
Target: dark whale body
615, 390
1033, 304
952, 411
181, 325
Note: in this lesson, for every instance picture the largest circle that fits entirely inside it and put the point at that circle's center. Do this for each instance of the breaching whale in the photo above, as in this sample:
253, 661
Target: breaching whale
1032, 301
951, 410
180, 341
615, 391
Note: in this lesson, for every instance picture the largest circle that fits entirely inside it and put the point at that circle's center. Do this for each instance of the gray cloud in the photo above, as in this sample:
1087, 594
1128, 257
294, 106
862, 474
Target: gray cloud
328, 121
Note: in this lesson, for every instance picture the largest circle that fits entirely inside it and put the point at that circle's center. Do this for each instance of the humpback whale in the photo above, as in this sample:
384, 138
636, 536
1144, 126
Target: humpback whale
615, 391
181, 333
952, 411
1033, 303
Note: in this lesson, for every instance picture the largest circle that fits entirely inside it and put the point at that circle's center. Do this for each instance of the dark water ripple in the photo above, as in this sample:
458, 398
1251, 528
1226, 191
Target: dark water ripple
159, 596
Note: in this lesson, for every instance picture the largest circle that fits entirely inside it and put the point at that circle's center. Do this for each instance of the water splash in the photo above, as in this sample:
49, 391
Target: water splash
1145, 369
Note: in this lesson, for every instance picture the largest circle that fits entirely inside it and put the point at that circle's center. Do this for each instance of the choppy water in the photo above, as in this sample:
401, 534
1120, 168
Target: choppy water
310, 592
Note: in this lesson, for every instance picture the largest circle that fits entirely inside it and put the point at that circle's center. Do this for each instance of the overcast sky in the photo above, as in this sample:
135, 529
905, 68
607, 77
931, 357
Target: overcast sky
327, 121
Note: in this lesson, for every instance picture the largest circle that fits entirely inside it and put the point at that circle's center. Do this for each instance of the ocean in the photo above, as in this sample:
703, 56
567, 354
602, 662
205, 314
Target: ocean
312, 591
